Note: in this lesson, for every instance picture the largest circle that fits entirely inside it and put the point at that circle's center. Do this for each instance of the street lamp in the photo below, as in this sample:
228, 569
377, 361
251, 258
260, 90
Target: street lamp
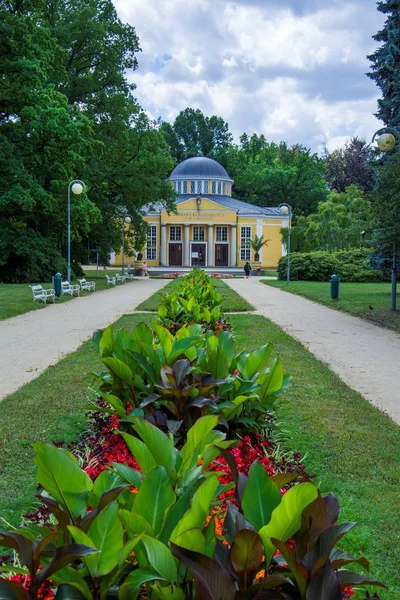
286, 210
386, 140
126, 220
77, 186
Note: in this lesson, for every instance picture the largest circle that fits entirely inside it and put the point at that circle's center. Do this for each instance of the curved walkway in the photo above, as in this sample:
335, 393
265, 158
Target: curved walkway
32, 342
363, 355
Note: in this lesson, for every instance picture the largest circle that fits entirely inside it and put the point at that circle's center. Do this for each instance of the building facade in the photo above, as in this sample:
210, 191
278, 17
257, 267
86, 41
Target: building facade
210, 228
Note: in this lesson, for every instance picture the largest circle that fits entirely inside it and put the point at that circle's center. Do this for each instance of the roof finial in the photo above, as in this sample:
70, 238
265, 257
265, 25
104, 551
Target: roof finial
200, 153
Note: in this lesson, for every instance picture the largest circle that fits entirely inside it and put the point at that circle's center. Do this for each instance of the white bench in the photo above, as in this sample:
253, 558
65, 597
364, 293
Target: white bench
120, 278
41, 294
87, 285
110, 280
68, 288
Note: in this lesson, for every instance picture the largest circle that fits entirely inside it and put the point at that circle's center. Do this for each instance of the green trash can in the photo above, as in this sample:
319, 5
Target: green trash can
57, 283
335, 284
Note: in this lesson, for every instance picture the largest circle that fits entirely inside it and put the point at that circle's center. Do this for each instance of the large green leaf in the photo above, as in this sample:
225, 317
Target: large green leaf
141, 452
81, 537
61, 476
173, 517
160, 558
72, 577
134, 524
107, 535
179, 347
116, 404
286, 518
256, 361
131, 586
142, 333
154, 498
166, 339
159, 444
196, 440
106, 342
195, 517
118, 368
192, 539
261, 496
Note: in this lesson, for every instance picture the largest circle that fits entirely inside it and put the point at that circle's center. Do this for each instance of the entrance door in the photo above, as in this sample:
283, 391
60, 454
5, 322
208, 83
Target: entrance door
175, 255
198, 255
221, 255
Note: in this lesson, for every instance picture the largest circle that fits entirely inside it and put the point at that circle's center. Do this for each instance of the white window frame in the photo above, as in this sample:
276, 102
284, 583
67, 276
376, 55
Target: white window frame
192, 187
151, 247
184, 187
198, 187
245, 234
175, 233
199, 233
205, 187
221, 233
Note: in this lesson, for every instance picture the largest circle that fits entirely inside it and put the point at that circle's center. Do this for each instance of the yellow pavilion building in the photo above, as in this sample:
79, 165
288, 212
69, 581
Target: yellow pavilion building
210, 227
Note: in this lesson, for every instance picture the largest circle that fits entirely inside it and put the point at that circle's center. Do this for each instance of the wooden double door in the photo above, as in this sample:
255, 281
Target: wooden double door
221, 255
198, 255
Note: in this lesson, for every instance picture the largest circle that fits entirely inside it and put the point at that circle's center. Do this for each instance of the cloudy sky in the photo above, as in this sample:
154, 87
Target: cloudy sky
293, 70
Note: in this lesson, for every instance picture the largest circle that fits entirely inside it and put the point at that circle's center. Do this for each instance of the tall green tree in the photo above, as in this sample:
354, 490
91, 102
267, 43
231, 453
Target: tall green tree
268, 174
192, 132
385, 64
350, 165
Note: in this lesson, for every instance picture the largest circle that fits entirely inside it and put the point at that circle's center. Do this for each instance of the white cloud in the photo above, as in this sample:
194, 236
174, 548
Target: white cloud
264, 69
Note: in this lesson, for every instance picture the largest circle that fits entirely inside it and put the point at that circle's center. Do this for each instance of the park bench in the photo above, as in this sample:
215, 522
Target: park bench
68, 288
41, 294
87, 285
110, 280
120, 278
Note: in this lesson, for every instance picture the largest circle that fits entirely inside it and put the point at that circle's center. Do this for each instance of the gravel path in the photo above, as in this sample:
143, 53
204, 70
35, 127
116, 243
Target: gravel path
32, 342
365, 356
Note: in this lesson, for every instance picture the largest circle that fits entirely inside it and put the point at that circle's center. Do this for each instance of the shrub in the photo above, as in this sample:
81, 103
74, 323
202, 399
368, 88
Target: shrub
350, 265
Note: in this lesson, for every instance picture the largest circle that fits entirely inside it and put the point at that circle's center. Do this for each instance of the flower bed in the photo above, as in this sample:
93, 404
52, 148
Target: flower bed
178, 490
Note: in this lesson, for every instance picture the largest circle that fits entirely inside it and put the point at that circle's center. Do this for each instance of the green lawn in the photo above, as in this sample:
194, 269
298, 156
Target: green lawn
231, 301
367, 300
16, 298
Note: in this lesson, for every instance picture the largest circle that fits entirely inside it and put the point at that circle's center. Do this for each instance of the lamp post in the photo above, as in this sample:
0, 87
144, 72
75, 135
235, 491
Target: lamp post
77, 186
286, 210
386, 139
126, 220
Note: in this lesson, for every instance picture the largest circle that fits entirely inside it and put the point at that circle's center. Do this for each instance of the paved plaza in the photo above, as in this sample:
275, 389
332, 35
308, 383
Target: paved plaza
365, 356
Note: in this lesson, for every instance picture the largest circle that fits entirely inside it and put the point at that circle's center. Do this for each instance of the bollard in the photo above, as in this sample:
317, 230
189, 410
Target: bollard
57, 283
335, 284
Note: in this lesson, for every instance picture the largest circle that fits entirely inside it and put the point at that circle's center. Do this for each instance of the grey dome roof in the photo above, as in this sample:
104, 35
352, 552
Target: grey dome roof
199, 167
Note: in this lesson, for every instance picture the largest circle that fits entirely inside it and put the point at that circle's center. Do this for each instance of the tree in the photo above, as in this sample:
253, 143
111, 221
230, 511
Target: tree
337, 224
385, 69
268, 174
386, 213
192, 132
256, 244
349, 166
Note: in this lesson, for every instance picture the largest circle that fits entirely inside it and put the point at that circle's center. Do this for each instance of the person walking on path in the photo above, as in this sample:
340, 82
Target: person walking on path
145, 270
247, 270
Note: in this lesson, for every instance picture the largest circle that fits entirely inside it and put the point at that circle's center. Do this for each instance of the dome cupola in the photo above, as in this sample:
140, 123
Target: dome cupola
201, 175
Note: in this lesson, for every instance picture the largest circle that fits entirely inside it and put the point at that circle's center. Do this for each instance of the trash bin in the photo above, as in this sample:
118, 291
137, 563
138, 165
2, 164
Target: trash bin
57, 283
335, 282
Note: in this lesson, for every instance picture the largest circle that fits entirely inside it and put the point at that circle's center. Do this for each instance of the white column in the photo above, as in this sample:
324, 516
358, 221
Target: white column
210, 253
186, 248
259, 230
163, 244
233, 246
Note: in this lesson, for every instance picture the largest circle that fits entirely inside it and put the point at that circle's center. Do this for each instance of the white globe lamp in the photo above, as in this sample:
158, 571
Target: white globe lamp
77, 188
386, 142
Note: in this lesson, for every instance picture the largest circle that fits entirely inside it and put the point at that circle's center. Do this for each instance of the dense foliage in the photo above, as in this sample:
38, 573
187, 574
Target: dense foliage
350, 265
349, 165
342, 221
66, 112
385, 64
183, 513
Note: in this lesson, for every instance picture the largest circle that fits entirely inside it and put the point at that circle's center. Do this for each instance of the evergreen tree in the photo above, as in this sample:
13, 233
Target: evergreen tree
385, 70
